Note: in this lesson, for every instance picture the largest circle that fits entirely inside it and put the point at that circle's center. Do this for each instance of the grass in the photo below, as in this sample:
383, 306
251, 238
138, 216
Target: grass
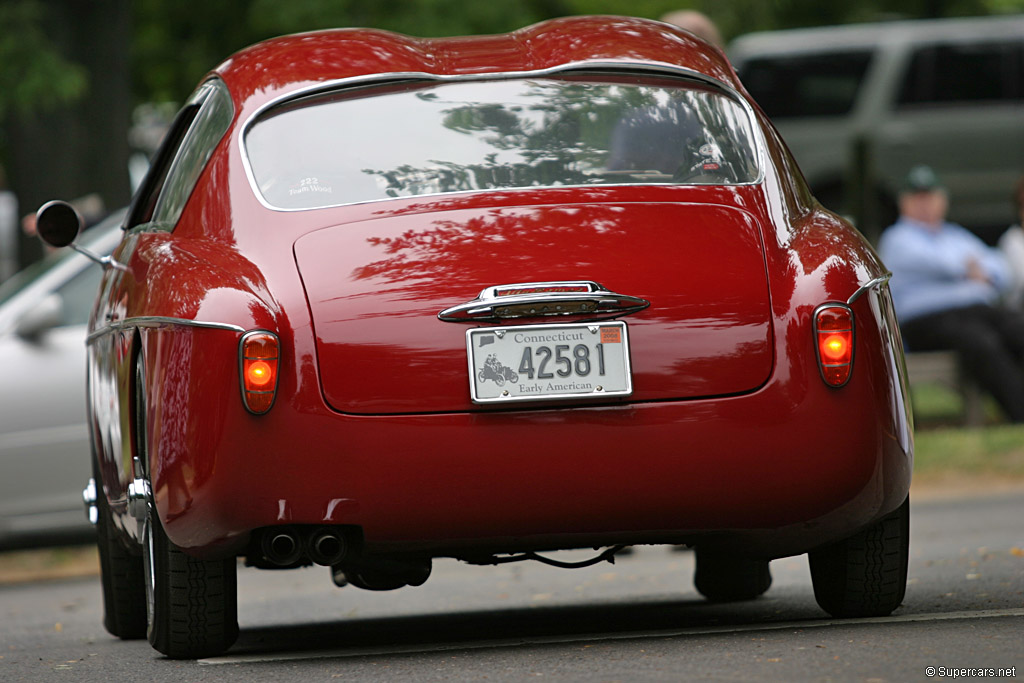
937, 404
993, 450
943, 447
48, 563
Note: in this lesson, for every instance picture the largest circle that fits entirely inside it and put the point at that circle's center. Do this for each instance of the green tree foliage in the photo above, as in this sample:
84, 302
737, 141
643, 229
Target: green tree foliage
175, 44
33, 74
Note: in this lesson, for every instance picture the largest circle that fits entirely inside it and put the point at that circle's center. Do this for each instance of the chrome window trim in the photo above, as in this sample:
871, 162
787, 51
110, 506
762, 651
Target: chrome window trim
871, 284
159, 321
598, 65
213, 120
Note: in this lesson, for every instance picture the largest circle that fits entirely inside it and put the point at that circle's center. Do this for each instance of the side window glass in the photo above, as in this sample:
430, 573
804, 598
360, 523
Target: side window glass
187, 147
948, 74
823, 84
211, 122
141, 209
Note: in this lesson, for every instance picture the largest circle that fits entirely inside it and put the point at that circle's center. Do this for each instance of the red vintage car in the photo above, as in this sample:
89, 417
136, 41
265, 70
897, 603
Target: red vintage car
384, 299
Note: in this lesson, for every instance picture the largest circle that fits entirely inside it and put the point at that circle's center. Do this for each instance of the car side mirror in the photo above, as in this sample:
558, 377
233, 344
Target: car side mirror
58, 223
40, 319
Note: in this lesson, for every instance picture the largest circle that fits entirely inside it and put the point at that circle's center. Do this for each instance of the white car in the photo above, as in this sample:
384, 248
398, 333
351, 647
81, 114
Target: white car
44, 440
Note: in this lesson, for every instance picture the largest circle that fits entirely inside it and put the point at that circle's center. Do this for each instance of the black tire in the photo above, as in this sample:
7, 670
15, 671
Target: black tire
865, 575
192, 604
726, 578
124, 590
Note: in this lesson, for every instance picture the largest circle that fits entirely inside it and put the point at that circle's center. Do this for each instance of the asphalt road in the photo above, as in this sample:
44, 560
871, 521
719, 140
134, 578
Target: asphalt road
637, 620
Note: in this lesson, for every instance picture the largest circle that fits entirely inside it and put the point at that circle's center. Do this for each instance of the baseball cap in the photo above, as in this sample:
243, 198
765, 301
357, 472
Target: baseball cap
922, 179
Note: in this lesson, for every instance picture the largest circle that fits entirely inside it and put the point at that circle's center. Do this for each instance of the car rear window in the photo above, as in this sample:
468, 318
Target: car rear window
429, 138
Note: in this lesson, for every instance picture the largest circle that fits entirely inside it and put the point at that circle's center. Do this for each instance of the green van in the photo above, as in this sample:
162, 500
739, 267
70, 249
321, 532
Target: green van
859, 105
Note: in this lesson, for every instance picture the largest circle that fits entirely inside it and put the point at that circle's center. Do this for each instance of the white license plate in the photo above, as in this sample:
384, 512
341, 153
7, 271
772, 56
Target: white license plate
543, 362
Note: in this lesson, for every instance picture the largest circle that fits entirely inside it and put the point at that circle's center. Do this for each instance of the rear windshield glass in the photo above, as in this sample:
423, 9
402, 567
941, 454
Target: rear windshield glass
420, 139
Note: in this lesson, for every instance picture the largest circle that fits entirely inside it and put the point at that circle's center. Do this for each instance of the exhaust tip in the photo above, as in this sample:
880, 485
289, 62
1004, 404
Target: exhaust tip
326, 546
281, 547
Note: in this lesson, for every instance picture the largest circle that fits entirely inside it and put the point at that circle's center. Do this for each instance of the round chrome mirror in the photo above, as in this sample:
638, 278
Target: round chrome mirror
58, 223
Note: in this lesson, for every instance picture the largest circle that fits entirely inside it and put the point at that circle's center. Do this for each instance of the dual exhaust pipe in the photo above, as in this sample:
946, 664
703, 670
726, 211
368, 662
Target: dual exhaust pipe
288, 546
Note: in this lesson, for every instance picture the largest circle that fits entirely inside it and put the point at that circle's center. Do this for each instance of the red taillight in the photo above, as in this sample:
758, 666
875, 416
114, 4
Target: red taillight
833, 331
259, 353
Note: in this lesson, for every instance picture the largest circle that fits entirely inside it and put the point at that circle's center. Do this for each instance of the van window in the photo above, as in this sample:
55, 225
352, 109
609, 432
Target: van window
944, 74
810, 85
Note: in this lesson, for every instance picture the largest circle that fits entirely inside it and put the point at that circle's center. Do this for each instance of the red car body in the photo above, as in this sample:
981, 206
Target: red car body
731, 440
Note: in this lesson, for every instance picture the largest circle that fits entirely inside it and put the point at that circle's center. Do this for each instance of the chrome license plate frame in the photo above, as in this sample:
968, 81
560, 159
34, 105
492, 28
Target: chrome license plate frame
510, 364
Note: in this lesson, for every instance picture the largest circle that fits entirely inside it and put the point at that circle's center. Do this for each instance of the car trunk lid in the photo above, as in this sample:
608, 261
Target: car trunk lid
376, 289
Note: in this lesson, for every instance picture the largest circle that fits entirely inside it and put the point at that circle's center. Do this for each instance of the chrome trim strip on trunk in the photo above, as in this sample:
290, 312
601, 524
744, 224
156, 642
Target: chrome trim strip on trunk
160, 321
543, 299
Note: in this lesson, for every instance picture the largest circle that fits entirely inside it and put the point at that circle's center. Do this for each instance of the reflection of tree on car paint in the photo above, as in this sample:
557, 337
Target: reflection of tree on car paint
500, 135
494, 370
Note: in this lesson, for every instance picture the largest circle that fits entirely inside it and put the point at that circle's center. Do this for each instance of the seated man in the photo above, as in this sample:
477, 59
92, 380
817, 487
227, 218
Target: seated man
946, 288
1011, 243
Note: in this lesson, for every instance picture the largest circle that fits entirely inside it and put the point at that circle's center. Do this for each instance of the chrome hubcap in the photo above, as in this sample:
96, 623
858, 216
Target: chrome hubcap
147, 564
138, 499
140, 495
89, 497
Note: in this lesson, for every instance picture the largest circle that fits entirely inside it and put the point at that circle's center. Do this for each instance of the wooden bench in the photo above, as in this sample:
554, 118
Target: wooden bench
942, 367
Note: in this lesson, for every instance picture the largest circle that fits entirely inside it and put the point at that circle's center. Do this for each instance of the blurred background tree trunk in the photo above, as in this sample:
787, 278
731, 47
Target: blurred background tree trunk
78, 148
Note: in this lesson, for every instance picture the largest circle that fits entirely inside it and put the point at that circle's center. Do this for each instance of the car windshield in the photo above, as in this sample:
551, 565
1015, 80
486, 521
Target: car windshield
100, 239
427, 138
25, 277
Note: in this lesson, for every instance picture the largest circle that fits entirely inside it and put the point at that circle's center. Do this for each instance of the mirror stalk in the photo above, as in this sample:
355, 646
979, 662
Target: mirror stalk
107, 262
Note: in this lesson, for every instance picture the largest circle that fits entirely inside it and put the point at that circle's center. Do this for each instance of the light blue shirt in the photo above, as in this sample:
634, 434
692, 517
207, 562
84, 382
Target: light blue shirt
929, 268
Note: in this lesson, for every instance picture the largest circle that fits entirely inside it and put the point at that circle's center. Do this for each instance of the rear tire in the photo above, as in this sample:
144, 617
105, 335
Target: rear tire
865, 575
728, 578
124, 591
192, 604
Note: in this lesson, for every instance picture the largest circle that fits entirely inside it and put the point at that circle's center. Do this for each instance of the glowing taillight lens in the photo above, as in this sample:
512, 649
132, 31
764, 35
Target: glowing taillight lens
259, 374
833, 332
259, 353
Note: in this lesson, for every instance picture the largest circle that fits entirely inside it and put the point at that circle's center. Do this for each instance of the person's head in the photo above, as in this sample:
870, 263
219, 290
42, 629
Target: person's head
923, 198
696, 23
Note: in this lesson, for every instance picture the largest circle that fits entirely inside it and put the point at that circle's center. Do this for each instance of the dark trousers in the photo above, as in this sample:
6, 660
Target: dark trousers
989, 341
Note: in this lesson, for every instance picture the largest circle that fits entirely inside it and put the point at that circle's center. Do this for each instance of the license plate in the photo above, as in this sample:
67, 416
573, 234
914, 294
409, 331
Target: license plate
545, 362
